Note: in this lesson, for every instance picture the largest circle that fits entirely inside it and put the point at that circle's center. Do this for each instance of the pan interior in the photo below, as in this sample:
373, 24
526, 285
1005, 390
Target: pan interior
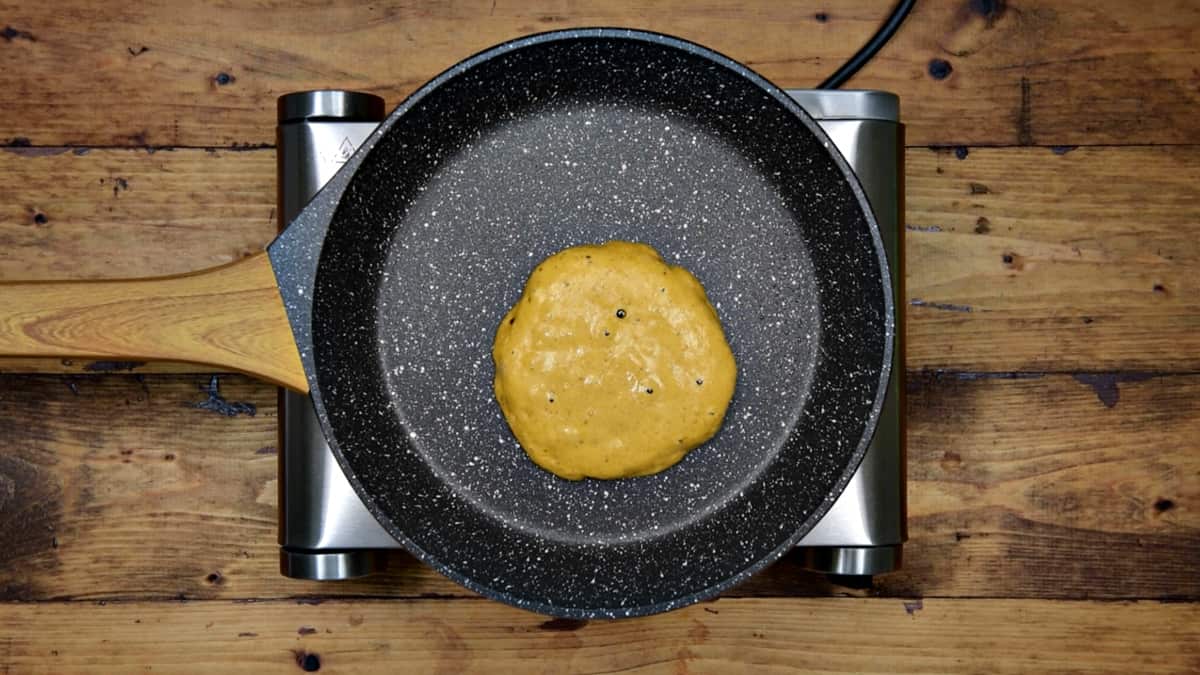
578, 173
581, 141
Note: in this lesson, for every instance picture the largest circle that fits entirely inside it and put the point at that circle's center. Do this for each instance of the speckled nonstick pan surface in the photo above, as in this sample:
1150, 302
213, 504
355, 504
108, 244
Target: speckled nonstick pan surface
562, 139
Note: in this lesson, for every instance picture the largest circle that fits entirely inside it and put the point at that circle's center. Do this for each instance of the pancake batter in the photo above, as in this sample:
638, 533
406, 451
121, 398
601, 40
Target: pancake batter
612, 364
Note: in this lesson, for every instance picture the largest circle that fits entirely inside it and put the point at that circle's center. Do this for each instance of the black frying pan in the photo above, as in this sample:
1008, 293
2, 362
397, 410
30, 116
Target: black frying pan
397, 275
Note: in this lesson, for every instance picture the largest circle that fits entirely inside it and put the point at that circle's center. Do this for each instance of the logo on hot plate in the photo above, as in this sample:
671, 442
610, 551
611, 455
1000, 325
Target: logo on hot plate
345, 151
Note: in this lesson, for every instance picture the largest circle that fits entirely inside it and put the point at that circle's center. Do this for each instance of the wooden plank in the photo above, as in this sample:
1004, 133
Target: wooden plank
119, 487
1102, 242
127, 479
477, 636
1068, 486
1032, 260
113, 214
1039, 71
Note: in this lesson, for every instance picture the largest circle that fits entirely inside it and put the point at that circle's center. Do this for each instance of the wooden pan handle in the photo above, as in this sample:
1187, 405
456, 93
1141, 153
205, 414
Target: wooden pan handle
230, 317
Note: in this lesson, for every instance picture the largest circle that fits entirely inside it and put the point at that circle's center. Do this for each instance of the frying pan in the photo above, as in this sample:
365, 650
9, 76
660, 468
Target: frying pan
382, 297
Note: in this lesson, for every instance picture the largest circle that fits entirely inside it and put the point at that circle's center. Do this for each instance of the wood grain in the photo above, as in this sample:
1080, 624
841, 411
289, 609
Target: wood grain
1032, 260
154, 494
229, 317
1077, 486
102, 214
475, 636
1103, 244
162, 73
1007, 497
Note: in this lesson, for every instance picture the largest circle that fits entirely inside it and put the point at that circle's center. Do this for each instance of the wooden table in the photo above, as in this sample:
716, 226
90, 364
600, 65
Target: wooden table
1053, 371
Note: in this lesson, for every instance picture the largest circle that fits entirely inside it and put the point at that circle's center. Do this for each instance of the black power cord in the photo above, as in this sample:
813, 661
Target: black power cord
872, 47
